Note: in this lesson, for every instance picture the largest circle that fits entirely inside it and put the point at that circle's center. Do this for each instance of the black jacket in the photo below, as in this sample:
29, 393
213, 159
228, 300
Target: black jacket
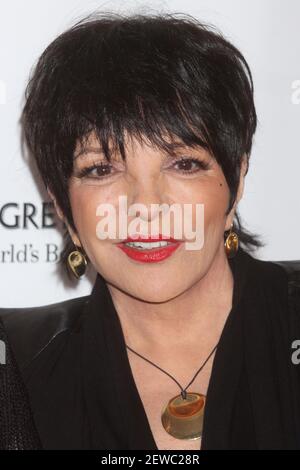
17, 430
73, 359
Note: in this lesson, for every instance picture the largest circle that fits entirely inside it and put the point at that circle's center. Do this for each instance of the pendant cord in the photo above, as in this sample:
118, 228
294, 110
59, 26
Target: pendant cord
183, 391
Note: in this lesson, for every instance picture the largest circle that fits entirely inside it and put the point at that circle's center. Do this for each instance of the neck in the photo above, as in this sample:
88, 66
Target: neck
196, 315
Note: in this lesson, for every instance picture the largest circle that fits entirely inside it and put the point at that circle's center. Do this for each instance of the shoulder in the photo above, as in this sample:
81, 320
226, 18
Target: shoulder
278, 279
31, 329
292, 270
288, 270
284, 271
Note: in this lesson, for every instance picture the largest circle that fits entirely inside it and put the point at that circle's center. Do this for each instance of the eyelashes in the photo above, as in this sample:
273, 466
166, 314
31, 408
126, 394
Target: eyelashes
103, 170
101, 167
200, 164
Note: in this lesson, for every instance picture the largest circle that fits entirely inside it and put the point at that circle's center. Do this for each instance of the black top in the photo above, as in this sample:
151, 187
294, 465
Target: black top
84, 396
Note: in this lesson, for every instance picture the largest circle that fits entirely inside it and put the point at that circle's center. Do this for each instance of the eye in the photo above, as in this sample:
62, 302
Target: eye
96, 171
190, 165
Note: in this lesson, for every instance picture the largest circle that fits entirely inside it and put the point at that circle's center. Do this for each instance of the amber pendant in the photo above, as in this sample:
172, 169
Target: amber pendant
183, 417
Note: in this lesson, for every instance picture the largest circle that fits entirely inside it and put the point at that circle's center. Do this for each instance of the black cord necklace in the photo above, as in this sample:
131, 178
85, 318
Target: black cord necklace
182, 416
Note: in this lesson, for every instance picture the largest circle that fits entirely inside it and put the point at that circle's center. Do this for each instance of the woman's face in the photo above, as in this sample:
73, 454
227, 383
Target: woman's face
150, 177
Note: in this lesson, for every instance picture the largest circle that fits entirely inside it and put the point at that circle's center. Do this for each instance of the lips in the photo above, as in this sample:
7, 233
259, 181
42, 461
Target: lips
150, 255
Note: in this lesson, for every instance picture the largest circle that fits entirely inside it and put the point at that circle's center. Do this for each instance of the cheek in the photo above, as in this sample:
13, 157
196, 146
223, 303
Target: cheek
216, 200
84, 202
212, 194
209, 222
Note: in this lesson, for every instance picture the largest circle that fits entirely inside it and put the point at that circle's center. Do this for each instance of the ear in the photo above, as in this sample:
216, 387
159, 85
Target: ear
57, 208
60, 214
243, 172
240, 191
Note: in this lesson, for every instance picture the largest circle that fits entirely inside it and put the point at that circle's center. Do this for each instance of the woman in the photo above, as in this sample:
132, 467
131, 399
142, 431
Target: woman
17, 429
179, 345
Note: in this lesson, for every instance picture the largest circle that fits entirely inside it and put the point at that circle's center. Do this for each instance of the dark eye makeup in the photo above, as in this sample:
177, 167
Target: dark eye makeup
102, 170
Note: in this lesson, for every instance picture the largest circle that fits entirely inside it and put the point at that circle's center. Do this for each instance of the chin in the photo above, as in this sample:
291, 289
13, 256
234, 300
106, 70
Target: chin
155, 294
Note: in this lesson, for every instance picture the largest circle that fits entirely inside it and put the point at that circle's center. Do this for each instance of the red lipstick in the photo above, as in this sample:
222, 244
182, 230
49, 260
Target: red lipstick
152, 255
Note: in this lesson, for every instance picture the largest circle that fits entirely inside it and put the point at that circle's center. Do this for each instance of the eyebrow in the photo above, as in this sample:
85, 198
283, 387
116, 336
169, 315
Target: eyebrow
171, 153
86, 150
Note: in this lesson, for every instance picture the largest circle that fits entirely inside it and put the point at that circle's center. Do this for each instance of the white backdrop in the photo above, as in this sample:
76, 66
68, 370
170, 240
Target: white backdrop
266, 31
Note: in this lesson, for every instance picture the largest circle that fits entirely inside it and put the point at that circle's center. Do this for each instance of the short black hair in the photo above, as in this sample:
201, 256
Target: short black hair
149, 75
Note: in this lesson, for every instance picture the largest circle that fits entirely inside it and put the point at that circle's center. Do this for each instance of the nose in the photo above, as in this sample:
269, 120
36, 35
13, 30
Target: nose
145, 193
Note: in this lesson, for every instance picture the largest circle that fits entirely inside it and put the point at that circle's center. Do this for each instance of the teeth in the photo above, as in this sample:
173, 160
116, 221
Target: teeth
147, 245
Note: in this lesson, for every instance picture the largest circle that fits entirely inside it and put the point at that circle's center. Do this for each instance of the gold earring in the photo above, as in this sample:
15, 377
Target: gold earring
77, 262
231, 243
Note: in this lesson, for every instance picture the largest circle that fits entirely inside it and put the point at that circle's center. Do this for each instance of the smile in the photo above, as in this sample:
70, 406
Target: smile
149, 252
